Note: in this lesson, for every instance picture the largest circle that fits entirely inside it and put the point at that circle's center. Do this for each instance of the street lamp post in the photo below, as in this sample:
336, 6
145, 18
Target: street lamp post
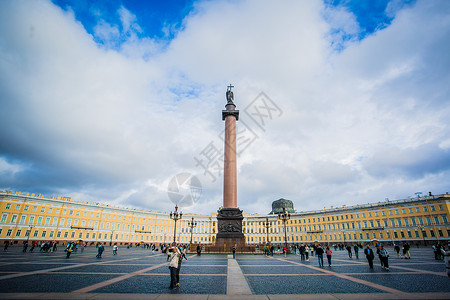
192, 224
284, 216
421, 227
175, 216
28, 237
267, 224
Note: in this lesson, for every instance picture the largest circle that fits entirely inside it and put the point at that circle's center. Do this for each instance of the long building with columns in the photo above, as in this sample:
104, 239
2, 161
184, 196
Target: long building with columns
61, 219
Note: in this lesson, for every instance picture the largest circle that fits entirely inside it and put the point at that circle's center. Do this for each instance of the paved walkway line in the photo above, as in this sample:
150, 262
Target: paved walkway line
364, 282
117, 279
236, 282
418, 270
61, 268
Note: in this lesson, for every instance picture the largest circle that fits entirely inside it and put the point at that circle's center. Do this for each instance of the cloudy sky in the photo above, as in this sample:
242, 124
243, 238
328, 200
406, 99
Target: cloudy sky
342, 102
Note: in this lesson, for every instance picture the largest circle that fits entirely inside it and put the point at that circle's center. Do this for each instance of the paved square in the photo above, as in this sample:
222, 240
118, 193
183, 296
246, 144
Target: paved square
137, 273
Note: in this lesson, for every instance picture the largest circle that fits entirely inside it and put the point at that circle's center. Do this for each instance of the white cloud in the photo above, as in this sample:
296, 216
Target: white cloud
116, 123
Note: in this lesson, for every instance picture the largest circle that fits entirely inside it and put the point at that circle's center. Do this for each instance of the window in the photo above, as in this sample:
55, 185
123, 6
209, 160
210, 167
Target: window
47, 221
424, 233
392, 223
383, 213
27, 233
4, 217
44, 233
390, 212
65, 234
396, 211
371, 223
428, 220
444, 218
385, 223
425, 209
433, 208
57, 211
409, 234
18, 232
8, 233
381, 235
64, 211
416, 234
25, 208
50, 210
403, 211
399, 221
34, 208
395, 234
85, 214
71, 212
417, 209
42, 209
14, 219
8, 206
364, 215
436, 220
18, 207
22, 219
58, 234
413, 221
441, 234
370, 214
406, 221
410, 210
441, 207
35, 233
31, 220
51, 234
78, 213
432, 233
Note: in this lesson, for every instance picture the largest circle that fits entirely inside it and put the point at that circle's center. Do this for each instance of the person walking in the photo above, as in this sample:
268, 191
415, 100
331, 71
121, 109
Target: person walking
173, 265
384, 257
115, 249
25, 246
397, 249
356, 248
234, 252
406, 251
328, 253
319, 253
100, 251
349, 250
370, 256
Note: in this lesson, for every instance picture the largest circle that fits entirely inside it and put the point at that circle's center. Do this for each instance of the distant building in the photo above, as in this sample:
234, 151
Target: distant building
61, 219
277, 206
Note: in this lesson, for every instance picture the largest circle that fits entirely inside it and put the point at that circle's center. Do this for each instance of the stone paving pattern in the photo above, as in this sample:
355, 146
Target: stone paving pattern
137, 273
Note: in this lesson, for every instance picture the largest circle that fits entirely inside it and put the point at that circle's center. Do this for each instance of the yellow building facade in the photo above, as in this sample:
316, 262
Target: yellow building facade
61, 219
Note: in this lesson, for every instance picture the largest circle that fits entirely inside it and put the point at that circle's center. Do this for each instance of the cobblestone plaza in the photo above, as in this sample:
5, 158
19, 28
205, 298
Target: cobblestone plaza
137, 273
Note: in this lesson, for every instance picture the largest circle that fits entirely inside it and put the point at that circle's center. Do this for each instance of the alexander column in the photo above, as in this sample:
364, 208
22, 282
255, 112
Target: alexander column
230, 216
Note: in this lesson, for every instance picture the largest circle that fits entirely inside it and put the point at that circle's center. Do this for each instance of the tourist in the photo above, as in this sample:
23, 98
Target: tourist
356, 248
406, 254
199, 250
33, 245
302, 252
328, 253
173, 265
100, 251
180, 259
115, 249
284, 251
6, 246
25, 246
349, 250
307, 252
384, 257
370, 256
446, 255
234, 252
69, 250
271, 250
319, 253
397, 249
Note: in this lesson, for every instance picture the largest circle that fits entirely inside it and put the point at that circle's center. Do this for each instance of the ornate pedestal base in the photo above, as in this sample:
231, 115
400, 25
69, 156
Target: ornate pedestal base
229, 233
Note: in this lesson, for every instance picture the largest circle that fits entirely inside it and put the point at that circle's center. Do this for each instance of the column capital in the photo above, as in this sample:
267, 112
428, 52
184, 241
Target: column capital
226, 113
